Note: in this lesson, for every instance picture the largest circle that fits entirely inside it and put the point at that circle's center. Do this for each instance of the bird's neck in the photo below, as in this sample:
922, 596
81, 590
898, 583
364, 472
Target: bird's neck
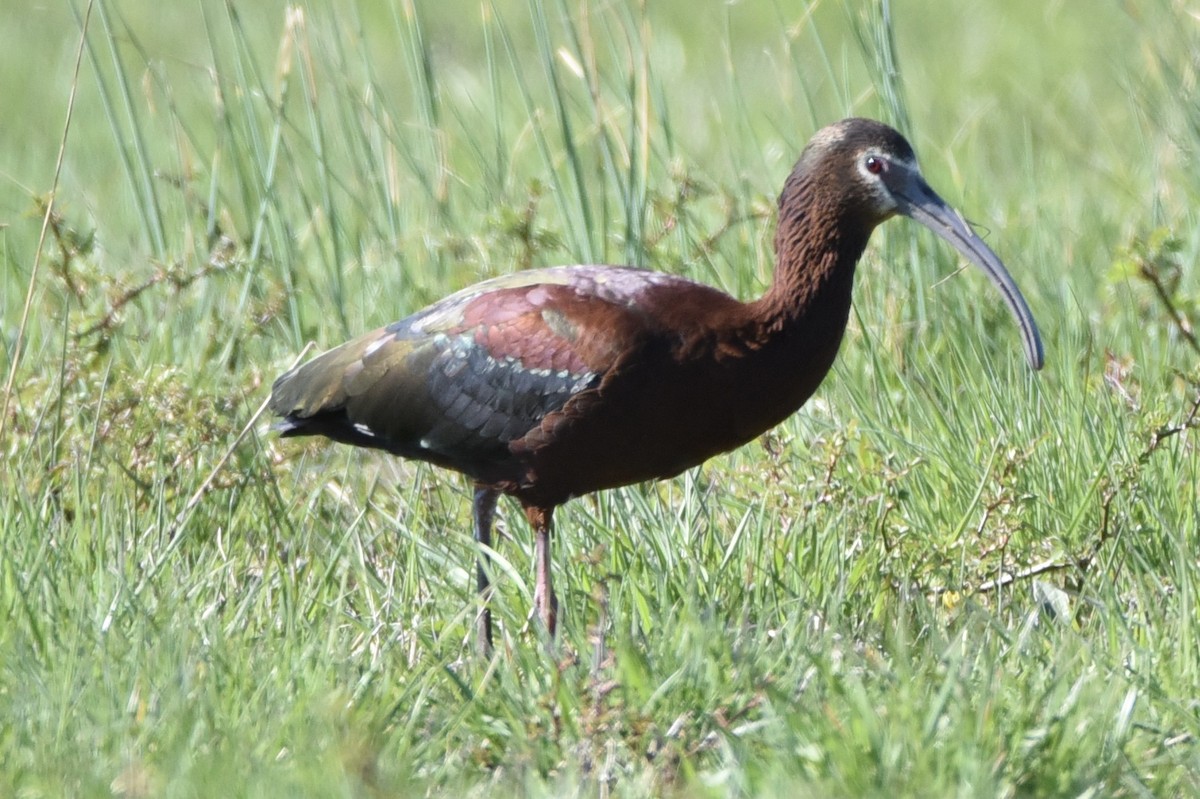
816, 256
775, 351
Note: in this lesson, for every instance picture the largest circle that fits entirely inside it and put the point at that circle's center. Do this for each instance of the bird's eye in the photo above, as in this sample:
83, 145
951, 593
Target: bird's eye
874, 164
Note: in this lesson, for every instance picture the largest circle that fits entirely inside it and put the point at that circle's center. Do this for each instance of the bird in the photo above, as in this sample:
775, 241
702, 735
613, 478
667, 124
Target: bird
553, 383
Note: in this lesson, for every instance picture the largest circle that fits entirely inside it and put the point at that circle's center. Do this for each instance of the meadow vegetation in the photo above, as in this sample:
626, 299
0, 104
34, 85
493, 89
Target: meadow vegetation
945, 576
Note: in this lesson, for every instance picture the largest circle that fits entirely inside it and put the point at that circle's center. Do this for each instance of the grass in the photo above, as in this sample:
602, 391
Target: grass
945, 576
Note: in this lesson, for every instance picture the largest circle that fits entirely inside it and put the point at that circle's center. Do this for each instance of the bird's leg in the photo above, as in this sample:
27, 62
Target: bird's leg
483, 511
545, 603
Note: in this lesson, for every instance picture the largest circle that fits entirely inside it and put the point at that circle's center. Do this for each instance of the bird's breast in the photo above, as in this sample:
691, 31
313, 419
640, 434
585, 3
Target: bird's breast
668, 407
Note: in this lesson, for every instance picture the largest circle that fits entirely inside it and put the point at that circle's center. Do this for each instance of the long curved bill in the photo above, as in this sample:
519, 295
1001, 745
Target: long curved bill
918, 201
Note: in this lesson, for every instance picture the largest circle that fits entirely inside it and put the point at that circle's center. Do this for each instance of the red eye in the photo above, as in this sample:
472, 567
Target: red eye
874, 164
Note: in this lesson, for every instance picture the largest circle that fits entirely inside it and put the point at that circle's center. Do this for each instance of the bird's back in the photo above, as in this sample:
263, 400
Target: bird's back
567, 366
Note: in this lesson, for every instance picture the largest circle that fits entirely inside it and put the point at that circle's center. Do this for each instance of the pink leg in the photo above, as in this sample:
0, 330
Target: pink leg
544, 601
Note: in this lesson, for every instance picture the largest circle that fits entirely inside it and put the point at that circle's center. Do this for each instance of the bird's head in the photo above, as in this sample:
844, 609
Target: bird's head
870, 171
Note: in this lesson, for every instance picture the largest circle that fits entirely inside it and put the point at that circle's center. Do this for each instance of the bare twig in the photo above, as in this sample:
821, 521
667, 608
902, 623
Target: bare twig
176, 279
1152, 276
1163, 433
15, 362
1106, 534
176, 526
1045, 567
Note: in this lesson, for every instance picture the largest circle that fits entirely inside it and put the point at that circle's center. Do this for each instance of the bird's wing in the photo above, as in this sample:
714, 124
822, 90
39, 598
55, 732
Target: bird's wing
473, 372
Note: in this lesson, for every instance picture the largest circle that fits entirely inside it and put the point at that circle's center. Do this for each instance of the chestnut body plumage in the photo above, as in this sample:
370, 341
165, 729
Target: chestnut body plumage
553, 383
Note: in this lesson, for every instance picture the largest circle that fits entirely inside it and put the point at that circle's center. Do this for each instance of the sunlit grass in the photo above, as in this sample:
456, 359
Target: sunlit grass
945, 575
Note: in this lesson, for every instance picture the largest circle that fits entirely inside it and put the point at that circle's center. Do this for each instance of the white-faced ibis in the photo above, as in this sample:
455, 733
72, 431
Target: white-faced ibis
553, 383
